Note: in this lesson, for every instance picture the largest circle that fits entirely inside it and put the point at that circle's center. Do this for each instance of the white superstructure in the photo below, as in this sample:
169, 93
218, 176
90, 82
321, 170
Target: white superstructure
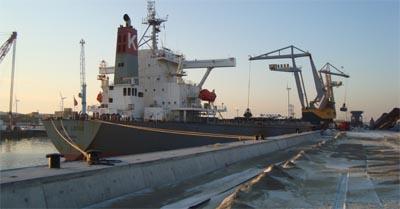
158, 92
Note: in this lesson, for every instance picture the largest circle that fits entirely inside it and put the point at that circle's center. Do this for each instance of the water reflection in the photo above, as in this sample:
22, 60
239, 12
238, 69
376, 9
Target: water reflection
24, 152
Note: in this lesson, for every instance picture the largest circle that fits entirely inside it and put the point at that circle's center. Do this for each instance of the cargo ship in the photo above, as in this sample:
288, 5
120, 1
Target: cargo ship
145, 105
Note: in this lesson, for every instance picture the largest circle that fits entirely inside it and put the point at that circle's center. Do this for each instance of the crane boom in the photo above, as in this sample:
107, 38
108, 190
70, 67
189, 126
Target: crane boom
276, 54
3, 52
5, 47
212, 63
209, 64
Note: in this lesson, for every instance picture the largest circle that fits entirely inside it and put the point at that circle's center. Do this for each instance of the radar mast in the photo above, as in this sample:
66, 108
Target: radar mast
152, 21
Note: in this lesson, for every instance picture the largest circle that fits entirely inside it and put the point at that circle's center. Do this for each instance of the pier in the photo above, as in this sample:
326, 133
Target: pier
77, 185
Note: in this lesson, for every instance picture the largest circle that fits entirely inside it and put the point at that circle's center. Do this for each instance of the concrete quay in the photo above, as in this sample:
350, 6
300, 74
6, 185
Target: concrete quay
77, 185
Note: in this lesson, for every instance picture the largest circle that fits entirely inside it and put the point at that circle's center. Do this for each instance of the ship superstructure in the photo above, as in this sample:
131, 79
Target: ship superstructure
148, 84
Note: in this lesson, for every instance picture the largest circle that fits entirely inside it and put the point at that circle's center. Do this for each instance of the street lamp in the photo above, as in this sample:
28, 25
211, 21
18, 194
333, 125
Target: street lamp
288, 99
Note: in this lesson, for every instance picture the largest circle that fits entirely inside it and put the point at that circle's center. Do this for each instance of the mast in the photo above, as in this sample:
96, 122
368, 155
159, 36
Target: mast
152, 21
83, 79
12, 79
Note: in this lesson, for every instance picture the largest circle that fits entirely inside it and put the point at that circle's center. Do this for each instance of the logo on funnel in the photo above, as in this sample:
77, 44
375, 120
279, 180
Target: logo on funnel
132, 41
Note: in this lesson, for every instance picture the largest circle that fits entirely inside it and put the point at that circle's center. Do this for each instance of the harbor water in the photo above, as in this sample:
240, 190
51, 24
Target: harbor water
24, 152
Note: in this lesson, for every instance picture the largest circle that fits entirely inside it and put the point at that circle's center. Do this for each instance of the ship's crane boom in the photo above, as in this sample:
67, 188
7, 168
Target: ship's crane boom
212, 63
209, 64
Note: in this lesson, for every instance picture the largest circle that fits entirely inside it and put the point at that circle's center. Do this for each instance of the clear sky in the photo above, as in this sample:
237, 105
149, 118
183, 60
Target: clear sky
362, 36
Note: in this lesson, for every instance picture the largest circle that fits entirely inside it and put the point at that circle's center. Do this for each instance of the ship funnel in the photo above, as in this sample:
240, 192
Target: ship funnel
127, 20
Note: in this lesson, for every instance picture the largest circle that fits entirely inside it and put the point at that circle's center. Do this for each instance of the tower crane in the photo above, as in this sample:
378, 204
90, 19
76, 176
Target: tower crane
3, 52
312, 111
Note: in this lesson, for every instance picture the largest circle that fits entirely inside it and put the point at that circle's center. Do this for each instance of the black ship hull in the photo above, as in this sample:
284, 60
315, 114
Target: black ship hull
113, 139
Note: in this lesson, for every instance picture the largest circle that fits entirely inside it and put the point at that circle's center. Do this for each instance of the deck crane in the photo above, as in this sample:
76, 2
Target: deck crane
311, 111
329, 100
209, 64
3, 52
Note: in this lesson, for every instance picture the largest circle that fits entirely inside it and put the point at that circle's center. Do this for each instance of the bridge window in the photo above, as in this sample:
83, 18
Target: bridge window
129, 91
124, 91
140, 94
134, 91
110, 100
111, 88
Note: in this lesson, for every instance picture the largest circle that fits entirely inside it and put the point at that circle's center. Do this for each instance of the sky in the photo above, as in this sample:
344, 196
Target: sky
361, 36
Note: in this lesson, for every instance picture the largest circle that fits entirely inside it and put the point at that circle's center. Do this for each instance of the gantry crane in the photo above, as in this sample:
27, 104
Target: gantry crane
317, 110
3, 52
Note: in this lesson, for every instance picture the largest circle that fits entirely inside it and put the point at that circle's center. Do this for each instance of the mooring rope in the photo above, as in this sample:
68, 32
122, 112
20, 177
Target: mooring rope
69, 142
179, 132
65, 132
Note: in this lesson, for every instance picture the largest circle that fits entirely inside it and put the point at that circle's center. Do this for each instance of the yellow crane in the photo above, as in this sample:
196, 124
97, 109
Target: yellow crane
321, 109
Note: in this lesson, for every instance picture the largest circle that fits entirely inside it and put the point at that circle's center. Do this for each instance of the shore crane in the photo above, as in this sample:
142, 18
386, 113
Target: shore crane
5, 47
312, 111
328, 101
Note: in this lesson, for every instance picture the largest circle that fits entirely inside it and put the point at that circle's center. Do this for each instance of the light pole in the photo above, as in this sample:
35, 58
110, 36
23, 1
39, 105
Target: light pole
16, 105
237, 112
288, 99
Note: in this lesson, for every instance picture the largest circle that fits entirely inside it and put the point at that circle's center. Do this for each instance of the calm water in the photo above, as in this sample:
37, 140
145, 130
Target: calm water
24, 152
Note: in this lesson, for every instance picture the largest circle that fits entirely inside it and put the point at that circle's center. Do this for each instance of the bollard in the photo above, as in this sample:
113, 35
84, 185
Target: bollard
93, 156
54, 160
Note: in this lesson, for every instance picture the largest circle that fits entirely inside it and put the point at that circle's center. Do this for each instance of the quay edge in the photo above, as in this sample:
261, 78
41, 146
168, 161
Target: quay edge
77, 185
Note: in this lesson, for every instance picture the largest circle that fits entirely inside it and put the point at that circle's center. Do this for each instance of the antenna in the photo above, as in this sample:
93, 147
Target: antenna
83, 79
152, 21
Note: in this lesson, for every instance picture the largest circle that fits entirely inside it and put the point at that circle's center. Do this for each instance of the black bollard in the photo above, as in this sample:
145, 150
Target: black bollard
54, 160
93, 156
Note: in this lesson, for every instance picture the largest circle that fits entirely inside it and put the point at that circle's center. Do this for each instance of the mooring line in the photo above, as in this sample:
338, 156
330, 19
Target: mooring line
65, 132
192, 133
70, 143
